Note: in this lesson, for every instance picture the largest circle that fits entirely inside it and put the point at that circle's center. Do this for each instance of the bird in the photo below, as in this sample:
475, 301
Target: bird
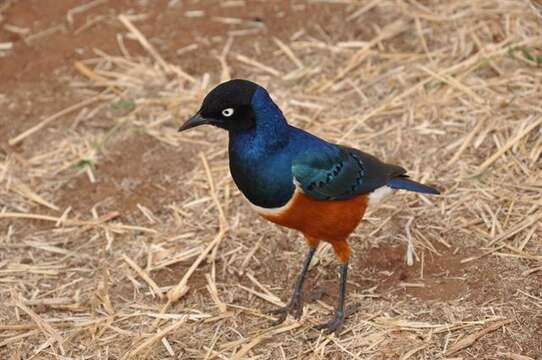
298, 180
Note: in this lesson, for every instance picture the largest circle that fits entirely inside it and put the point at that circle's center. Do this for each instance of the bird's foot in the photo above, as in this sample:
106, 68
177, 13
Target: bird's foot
294, 308
333, 326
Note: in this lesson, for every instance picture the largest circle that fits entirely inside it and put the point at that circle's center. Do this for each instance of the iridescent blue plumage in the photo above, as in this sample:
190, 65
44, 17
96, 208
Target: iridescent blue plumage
265, 160
261, 157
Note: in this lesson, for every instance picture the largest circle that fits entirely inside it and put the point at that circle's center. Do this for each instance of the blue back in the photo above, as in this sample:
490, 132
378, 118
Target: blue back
265, 159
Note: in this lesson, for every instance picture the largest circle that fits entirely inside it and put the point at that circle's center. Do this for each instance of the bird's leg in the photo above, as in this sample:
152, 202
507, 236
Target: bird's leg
336, 324
295, 305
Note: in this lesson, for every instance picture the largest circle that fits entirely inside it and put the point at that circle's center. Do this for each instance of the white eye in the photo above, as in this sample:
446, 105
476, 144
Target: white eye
227, 112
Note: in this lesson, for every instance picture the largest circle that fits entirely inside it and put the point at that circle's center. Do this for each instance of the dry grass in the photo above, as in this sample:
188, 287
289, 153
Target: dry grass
450, 90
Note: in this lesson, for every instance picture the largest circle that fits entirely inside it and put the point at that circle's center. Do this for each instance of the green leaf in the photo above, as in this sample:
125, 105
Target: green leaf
127, 105
84, 163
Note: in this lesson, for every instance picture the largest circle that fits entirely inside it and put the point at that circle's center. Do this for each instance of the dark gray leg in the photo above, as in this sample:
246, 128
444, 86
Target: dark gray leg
336, 324
295, 306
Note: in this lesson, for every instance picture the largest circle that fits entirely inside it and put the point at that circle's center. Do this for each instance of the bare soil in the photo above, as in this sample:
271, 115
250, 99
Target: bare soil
134, 170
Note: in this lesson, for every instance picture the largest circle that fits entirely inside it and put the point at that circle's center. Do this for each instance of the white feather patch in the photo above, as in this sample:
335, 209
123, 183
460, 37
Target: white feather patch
380, 194
272, 211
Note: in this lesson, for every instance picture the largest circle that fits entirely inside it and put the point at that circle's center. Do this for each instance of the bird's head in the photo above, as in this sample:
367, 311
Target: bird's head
227, 106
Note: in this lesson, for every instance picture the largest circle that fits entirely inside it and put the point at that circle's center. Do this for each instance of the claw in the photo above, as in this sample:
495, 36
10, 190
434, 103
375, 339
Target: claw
332, 326
281, 314
294, 308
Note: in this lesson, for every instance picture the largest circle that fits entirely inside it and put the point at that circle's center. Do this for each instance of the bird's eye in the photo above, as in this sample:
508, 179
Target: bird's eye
227, 112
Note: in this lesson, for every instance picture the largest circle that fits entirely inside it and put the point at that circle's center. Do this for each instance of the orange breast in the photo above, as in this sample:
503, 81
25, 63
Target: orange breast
331, 220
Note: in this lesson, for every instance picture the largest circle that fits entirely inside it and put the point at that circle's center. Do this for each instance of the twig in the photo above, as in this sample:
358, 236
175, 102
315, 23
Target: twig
145, 345
151, 50
155, 288
511, 142
46, 121
472, 338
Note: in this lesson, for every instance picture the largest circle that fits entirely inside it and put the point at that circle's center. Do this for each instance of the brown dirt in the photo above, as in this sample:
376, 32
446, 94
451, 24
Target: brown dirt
445, 278
137, 169
35, 73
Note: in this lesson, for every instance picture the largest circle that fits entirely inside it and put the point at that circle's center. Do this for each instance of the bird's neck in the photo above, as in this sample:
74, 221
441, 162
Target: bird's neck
259, 160
271, 130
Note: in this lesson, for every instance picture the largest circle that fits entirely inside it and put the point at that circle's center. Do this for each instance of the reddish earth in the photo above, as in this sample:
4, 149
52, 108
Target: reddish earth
140, 170
128, 165
36, 72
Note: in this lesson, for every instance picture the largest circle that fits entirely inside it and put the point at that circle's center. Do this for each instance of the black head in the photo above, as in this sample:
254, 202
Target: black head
227, 106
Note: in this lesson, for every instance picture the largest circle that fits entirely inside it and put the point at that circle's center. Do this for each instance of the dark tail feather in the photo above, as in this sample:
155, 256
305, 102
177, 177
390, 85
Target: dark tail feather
405, 183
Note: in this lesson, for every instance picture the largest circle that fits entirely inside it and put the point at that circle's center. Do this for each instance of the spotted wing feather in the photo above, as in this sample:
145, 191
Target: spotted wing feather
339, 173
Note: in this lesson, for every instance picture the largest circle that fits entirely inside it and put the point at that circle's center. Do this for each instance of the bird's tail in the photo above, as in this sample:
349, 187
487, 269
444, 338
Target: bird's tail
404, 183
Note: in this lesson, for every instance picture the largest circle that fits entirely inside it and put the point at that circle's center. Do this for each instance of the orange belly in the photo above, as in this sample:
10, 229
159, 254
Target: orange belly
330, 220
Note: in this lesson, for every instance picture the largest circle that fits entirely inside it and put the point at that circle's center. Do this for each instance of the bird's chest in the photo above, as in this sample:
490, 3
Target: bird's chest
264, 178
331, 220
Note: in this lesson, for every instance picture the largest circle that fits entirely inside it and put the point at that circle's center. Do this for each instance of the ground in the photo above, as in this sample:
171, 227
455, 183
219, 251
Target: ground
121, 238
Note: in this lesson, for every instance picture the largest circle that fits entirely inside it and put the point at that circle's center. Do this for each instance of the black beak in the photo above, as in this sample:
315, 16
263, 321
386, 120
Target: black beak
194, 121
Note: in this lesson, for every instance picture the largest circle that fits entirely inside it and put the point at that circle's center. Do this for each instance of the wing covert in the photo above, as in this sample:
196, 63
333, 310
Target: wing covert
339, 172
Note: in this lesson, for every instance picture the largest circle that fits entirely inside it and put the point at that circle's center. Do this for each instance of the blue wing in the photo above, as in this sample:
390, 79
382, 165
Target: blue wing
339, 172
